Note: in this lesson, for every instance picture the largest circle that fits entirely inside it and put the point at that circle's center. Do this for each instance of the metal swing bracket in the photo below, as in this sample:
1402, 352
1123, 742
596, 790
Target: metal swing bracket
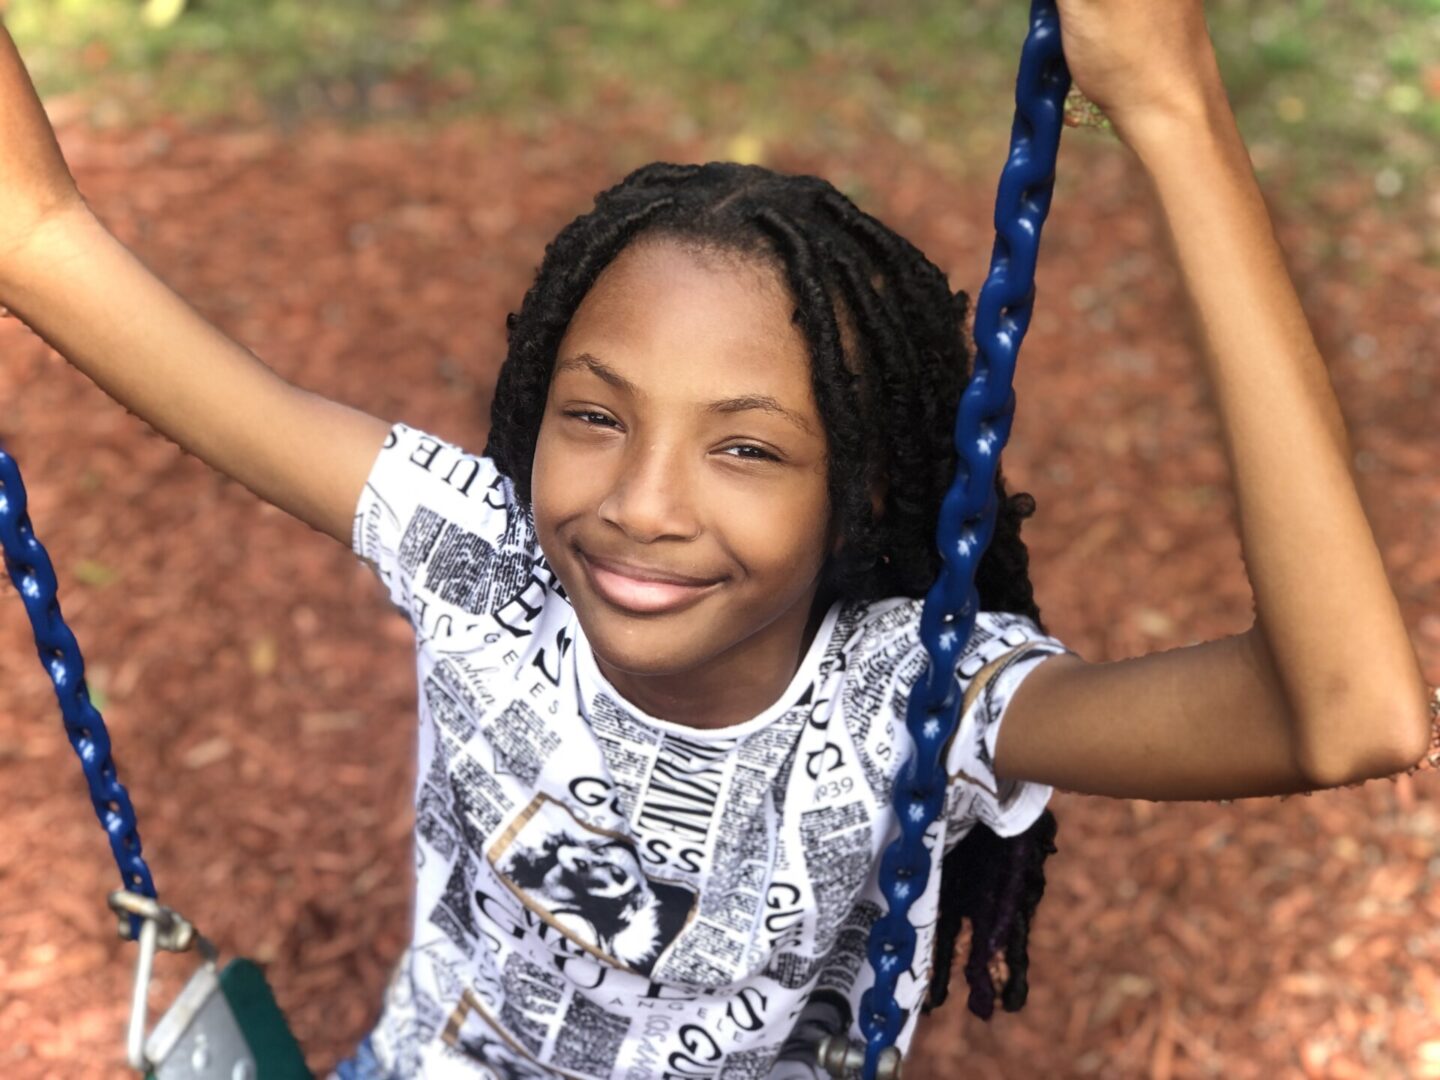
223, 1025
164, 928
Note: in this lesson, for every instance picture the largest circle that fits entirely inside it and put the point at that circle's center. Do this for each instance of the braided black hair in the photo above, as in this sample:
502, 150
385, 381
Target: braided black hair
889, 358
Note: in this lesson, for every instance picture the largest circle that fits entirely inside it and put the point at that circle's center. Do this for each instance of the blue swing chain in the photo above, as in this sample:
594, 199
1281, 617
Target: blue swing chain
967, 515
29, 567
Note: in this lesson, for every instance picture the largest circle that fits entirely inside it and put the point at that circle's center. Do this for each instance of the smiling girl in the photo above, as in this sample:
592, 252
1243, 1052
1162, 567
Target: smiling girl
667, 622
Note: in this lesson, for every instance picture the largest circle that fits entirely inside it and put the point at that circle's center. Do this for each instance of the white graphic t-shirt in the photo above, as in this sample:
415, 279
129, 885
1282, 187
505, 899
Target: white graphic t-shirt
604, 894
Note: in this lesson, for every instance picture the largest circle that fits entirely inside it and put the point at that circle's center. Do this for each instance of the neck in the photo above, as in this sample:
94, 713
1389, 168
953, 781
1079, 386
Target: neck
731, 688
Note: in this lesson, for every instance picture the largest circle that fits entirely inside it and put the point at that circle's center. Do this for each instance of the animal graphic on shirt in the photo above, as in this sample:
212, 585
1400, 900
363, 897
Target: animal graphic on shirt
593, 889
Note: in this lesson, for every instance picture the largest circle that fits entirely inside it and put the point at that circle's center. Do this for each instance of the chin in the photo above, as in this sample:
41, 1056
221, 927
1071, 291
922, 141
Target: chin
647, 646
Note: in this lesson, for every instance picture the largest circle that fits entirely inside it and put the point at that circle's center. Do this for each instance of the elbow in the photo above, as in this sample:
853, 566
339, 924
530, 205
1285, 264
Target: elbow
1387, 742
1423, 747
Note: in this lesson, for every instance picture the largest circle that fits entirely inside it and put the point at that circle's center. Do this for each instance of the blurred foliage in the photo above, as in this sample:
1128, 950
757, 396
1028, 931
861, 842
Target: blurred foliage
1319, 85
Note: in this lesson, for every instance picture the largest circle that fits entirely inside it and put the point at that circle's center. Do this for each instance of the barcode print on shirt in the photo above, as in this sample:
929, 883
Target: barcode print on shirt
590, 1038
532, 996
454, 914
841, 965
837, 857
432, 815
523, 742
748, 1064
459, 570
456, 722
481, 802
419, 540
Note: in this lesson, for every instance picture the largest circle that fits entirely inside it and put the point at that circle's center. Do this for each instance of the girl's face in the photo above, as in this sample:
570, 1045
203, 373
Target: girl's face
679, 484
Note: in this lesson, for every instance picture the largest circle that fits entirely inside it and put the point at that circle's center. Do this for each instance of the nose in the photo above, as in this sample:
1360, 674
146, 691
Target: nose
653, 496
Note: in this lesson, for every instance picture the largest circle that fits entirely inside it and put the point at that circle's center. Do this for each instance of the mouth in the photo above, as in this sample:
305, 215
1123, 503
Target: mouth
643, 590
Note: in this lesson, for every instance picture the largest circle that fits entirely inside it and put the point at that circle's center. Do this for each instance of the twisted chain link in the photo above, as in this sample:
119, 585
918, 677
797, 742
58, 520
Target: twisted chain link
967, 515
29, 567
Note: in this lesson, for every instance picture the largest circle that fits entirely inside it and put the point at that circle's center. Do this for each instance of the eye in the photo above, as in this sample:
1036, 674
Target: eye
747, 452
592, 418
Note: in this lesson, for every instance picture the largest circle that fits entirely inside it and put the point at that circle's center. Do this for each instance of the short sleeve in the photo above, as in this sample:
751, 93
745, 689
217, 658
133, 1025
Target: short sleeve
1003, 650
442, 527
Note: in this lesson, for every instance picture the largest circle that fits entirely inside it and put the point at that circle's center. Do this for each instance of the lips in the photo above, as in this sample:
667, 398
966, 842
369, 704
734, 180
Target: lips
642, 589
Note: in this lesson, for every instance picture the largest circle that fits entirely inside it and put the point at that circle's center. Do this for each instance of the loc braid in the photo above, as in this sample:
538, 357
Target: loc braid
833, 381
658, 174
892, 393
1032, 888
910, 290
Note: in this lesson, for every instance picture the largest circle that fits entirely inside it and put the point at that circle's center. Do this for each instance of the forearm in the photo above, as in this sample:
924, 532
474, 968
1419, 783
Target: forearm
88, 296
1322, 596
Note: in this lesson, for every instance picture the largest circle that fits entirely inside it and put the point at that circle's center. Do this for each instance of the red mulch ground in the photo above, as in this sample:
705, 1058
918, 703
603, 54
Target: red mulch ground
260, 691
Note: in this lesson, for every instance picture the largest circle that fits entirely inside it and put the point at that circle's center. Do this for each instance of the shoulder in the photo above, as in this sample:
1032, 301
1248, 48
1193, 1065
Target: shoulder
1005, 637
424, 465
442, 526
889, 630
422, 483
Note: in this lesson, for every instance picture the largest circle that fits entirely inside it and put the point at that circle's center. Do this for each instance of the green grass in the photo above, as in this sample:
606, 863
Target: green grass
517, 56
1320, 86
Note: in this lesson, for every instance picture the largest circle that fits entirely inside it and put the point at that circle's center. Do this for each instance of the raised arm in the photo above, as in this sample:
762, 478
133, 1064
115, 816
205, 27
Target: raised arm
86, 294
1325, 688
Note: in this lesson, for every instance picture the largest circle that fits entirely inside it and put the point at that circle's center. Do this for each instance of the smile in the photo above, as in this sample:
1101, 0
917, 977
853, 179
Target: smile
642, 590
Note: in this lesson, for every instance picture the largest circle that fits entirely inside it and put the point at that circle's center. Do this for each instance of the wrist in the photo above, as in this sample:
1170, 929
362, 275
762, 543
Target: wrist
1185, 126
40, 242
1188, 98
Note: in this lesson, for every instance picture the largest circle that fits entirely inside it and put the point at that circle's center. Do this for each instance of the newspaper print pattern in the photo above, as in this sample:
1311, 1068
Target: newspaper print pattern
604, 894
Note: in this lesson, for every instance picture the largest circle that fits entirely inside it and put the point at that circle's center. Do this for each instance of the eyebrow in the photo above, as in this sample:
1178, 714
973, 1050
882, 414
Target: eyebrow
586, 362
723, 407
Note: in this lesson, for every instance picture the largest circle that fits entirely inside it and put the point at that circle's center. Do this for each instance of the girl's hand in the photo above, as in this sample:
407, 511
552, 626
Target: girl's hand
35, 182
1138, 59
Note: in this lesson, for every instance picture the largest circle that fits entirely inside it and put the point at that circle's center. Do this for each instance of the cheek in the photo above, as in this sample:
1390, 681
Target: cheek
790, 537
557, 488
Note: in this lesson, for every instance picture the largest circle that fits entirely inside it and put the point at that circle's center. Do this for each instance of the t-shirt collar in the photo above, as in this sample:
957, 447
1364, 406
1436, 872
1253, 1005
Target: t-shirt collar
591, 683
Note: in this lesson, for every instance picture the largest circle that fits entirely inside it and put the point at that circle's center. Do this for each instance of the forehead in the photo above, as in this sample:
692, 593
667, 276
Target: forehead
668, 315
